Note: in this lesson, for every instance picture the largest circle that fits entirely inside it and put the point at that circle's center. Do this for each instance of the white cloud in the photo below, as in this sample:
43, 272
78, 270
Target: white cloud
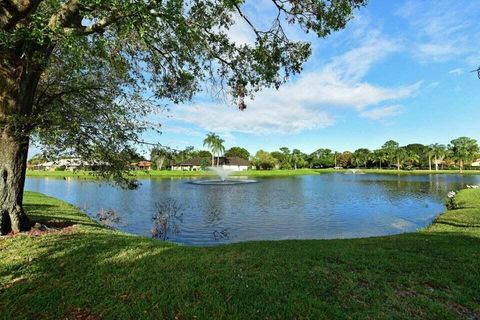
310, 101
182, 130
443, 30
382, 113
283, 118
354, 64
457, 71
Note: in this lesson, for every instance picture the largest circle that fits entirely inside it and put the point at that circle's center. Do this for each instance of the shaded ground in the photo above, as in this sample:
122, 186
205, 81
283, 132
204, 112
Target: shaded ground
96, 273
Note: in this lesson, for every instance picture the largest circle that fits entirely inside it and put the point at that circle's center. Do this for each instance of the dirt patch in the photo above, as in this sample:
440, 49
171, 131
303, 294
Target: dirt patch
407, 292
80, 314
47, 227
464, 311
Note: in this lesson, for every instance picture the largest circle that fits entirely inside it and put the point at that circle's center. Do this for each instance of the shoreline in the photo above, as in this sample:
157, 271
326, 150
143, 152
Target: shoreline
165, 174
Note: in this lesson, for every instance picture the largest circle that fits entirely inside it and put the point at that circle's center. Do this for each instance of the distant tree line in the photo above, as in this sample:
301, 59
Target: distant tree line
458, 154
461, 152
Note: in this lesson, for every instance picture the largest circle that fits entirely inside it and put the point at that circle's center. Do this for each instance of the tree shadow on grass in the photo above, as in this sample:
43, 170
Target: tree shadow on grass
114, 275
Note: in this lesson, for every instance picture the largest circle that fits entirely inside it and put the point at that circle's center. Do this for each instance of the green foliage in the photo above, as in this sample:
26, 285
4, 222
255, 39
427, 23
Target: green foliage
37, 159
264, 160
238, 152
361, 157
161, 157
215, 143
464, 149
322, 158
99, 67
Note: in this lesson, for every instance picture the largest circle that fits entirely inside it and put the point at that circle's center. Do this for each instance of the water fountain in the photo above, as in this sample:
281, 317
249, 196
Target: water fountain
223, 174
354, 171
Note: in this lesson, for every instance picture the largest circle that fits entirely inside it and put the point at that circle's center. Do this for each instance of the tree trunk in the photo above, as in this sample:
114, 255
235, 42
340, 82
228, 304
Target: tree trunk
160, 162
398, 164
436, 163
461, 166
13, 164
213, 160
429, 162
18, 82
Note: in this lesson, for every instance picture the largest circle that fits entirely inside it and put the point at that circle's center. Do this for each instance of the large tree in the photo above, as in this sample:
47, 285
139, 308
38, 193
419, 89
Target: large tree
464, 149
238, 152
392, 149
79, 75
361, 157
438, 151
160, 156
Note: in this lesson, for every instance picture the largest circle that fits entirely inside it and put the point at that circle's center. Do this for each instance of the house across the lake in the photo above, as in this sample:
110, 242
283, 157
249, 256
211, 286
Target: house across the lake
228, 163
70, 164
142, 165
476, 163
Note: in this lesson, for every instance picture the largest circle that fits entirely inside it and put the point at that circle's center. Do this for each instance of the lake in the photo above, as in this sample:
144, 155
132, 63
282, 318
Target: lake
322, 206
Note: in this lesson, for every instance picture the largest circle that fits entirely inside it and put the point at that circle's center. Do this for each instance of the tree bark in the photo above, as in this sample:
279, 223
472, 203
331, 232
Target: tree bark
436, 163
429, 162
18, 82
13, 163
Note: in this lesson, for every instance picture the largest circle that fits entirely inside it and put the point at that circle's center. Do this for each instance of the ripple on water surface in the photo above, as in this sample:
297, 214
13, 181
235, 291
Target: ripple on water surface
304, 207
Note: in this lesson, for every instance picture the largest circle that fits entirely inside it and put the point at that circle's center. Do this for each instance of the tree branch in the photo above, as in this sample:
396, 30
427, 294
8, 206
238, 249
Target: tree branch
18, 12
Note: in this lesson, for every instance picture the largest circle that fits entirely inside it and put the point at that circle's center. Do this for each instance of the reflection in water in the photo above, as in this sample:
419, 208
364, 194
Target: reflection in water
317, 206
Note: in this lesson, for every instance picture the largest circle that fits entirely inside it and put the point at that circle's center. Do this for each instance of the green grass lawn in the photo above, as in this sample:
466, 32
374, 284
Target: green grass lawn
96, 273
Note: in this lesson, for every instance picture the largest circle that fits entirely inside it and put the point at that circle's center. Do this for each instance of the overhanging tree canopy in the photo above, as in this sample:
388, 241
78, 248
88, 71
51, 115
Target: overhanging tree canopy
79, 75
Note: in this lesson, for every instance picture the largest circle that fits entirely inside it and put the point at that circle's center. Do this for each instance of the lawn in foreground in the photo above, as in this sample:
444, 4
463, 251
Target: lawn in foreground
98, 273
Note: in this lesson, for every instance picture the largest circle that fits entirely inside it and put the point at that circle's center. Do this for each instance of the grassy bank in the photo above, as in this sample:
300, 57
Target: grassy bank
251, 173
90, 272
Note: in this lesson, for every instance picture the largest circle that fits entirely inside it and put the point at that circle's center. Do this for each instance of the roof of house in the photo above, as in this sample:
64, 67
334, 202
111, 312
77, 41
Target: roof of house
234, 161
193, 162
142, 164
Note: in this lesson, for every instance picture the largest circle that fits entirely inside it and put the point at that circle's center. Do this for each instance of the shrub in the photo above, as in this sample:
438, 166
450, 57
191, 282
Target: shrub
451, 201
167, 219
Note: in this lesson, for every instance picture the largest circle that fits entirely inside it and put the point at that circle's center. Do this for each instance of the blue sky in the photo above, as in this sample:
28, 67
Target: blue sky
400, 70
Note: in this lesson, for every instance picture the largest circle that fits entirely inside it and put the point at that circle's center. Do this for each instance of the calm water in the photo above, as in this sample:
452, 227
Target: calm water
305, 207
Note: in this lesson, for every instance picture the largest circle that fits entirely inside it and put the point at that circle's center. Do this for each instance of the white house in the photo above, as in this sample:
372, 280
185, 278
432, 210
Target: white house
70, 164
476, 163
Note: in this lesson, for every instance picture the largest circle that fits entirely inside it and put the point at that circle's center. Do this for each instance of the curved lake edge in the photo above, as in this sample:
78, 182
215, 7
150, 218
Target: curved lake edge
331, 206
460, 218
165, 174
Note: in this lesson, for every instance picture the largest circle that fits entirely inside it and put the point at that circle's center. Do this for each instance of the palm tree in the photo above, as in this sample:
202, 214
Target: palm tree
380, 156
439, 152
218, 148
211, 141
412, 158
391, 148
361, 157
400, 156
